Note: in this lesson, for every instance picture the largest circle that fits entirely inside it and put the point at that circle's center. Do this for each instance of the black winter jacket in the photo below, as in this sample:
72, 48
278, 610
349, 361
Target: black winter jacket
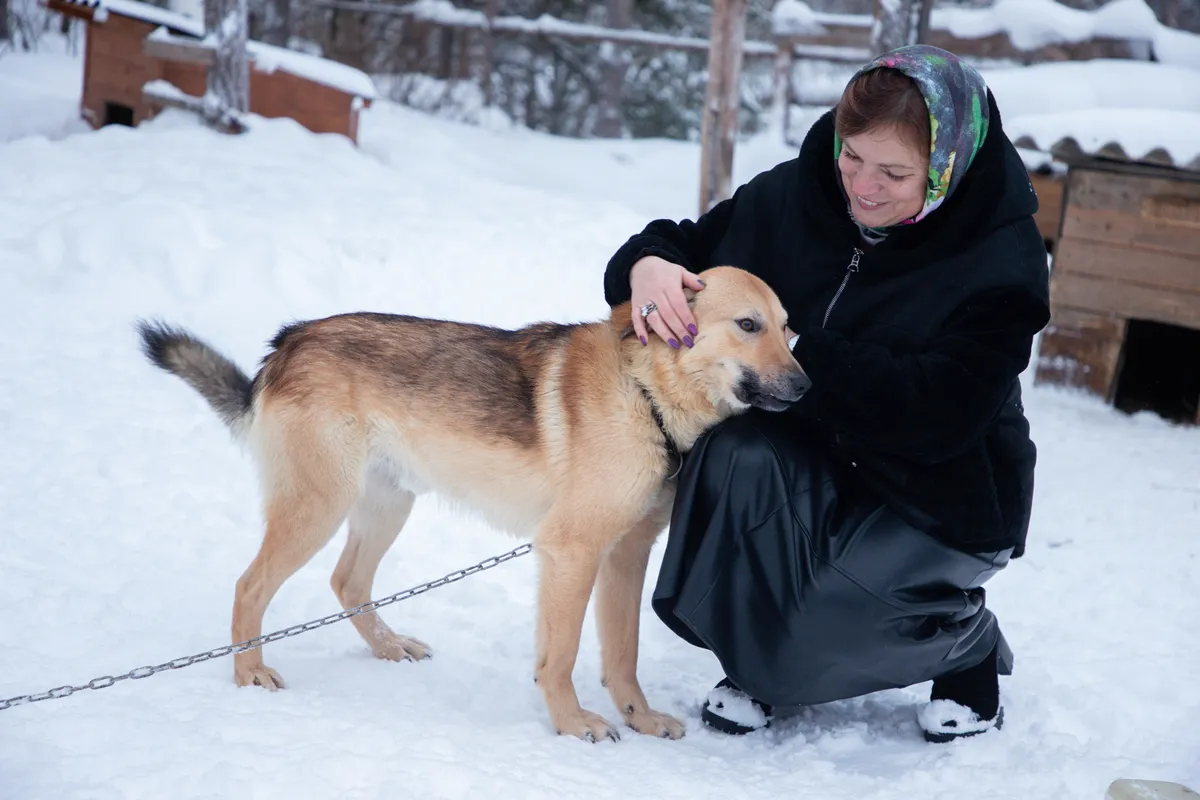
914, 346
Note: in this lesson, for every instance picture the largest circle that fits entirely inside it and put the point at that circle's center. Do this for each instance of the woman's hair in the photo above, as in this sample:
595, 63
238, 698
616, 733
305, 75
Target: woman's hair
881, 98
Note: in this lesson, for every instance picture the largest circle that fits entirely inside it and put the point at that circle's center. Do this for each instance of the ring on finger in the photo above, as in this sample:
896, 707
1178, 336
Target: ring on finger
648, 309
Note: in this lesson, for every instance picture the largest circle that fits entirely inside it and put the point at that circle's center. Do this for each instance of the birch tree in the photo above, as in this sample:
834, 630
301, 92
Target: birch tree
228, 93
899, 22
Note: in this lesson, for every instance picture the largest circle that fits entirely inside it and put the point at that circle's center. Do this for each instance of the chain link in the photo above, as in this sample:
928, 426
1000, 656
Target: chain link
104, 681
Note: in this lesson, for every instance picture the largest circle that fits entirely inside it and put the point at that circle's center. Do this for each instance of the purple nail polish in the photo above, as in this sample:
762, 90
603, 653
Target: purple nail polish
692, 329
643, 338
687, 340
673, 343
701, 282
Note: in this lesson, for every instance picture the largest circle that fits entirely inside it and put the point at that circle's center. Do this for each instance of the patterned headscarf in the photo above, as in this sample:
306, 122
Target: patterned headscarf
956, 96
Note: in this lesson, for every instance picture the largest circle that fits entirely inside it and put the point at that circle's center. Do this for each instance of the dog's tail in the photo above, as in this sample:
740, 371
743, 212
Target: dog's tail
218, 380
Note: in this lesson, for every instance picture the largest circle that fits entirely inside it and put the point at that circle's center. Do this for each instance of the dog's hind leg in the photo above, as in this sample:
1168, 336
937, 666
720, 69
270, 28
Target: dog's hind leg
307, 498
569, 553
375, 521
618, 611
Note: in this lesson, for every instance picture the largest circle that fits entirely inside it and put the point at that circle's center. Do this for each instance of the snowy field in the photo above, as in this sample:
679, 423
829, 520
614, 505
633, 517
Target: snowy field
129, 514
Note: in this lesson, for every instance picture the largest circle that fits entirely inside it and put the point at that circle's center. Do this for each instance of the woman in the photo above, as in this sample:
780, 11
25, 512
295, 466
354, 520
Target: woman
840, 548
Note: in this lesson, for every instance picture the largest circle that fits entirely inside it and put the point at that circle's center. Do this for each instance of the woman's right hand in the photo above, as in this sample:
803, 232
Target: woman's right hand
656, 280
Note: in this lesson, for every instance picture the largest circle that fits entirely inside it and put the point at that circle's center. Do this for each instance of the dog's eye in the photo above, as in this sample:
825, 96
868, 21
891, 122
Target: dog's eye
748, 325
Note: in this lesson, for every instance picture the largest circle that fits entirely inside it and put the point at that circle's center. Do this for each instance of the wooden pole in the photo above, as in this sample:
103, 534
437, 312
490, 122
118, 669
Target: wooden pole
719, 120
614, 66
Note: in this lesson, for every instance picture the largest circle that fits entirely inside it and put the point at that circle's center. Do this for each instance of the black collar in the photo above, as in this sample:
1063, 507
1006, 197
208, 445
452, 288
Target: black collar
674, 456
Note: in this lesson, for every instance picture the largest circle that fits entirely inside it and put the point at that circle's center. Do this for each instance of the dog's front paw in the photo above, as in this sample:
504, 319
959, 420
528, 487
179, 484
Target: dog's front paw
401, 648
258, 675
587, 726
653, 723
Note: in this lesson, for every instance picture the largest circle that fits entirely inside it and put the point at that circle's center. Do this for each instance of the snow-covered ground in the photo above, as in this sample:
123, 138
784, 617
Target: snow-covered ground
129, 514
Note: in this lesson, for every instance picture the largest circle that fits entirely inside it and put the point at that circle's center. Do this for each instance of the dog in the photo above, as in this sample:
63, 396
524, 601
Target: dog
568, 433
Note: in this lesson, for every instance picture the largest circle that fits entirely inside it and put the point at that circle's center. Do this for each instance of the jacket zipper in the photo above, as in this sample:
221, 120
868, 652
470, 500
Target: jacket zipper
851, 268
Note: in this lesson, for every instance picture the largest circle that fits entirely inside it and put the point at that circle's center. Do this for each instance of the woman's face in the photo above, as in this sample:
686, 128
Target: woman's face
884, 177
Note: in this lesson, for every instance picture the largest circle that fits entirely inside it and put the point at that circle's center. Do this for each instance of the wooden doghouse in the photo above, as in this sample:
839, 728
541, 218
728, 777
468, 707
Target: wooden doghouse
129, 44
1125, 283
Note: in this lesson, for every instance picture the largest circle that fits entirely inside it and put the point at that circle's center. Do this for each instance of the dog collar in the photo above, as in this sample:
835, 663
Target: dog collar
674, 456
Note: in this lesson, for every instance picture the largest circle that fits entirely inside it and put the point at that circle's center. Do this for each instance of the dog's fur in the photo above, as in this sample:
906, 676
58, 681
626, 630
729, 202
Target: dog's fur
547, 431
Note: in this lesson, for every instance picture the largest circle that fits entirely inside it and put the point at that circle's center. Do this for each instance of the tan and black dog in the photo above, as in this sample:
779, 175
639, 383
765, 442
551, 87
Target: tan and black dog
565, 433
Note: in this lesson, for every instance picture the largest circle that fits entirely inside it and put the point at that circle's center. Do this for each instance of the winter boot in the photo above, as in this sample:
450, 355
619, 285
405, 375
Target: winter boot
964, 703
730, 710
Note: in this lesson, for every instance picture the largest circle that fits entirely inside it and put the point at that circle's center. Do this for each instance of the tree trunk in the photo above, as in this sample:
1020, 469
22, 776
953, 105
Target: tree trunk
899, 22
229, 75
718, 126
5, 34
614, 67
276, 22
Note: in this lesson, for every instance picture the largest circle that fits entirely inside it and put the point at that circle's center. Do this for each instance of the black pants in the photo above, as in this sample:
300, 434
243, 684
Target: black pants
806, 588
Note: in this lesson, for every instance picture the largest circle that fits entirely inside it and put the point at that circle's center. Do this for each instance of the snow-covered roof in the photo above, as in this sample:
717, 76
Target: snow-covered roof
267, 58
343, 77
1163, 137
1029, 25
145, 12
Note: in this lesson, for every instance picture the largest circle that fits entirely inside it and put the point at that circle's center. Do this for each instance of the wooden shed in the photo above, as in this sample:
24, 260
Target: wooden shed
129, 44
1125, 281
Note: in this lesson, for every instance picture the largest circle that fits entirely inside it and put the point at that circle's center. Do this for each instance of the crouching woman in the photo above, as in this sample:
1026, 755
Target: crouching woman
841, 547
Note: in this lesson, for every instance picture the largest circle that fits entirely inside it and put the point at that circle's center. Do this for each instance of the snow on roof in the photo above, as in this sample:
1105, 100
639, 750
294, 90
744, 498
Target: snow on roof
1132, 110
266, 57
1168, 138
1029, 24
340, 76
144, 12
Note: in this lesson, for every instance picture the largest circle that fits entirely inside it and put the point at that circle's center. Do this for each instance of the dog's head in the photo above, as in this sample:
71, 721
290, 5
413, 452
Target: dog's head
741, 357
741, 353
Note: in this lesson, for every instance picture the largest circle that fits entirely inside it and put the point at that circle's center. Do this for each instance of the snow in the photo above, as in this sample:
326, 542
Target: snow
269, 58
129, 514
1139, 105
1138, 132
134, 9
1029, 24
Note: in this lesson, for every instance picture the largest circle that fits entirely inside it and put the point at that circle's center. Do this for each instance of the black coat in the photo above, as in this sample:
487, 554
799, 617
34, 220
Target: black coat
915, 366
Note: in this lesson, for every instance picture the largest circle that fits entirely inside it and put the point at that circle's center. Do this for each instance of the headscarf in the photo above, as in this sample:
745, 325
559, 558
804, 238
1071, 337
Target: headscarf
956, 96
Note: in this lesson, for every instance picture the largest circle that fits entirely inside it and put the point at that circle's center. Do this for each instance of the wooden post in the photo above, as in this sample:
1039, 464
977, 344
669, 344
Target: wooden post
614, 65
719, 120
229, 76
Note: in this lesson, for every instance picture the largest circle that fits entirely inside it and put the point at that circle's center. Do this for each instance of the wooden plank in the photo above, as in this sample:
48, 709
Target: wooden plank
1155, 269
180, 50
1081, 350
1050, 191
1105, 190
1154, 229
1128, 300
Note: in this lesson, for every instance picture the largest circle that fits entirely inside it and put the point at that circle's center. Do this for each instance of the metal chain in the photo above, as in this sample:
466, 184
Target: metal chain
105, 681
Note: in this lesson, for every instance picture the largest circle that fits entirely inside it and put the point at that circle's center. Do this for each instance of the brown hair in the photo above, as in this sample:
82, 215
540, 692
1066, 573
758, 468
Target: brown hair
881, 98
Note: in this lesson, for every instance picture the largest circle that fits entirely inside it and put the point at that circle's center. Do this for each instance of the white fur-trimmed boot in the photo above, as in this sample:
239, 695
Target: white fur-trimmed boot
965, 703
730, 710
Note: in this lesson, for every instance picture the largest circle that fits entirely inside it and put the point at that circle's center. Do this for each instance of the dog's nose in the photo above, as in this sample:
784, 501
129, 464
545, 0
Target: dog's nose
798, 383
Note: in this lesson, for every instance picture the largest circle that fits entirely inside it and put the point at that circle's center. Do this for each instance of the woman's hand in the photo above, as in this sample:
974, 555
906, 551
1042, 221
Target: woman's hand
658, 281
